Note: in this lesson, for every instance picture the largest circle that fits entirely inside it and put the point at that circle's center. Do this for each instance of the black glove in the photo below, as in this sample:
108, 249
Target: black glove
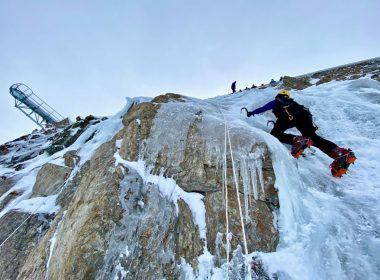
250, 114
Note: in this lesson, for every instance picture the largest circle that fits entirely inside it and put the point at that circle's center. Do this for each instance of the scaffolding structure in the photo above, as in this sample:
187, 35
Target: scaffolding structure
34, 107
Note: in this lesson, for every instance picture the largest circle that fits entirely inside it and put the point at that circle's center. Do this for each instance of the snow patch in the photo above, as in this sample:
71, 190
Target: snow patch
45, 205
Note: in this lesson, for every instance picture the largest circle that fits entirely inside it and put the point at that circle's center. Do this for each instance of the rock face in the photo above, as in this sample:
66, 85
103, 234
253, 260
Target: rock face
70, 134
71, 158
184, 144
49, 179
350, 71
84, 231
18, 246
116, 224
296, 83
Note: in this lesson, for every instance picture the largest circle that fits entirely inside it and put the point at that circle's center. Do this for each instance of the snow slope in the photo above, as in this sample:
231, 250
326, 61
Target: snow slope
329, 227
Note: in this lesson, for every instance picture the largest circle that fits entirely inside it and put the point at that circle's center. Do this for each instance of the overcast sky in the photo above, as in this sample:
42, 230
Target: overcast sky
85, 57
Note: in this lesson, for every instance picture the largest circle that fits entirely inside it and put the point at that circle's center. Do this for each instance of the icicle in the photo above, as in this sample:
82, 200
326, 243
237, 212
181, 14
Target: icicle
259, 167
245, 178
253, 176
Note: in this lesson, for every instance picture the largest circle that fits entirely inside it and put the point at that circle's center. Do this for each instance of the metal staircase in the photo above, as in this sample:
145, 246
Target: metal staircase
34, 107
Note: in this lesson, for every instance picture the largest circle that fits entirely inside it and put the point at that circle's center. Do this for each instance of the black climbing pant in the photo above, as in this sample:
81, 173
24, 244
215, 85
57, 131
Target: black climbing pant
304, 124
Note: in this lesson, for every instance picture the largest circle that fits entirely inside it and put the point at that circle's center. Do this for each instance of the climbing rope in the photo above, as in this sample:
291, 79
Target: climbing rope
226, 196
227, 135
237, 192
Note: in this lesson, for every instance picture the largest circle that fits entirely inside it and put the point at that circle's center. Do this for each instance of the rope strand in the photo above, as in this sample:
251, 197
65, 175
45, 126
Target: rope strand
226, 196
227, 134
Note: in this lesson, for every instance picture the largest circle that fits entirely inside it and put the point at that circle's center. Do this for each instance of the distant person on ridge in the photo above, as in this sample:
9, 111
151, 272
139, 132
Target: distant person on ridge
290, 114
233, 87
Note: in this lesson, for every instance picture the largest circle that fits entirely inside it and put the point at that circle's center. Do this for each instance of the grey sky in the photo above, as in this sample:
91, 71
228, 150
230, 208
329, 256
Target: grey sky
84, 57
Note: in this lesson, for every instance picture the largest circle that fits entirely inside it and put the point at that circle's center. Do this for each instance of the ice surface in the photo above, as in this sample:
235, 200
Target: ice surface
329, 228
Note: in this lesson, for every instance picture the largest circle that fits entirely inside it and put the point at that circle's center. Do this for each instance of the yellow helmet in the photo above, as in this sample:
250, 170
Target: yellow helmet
284, 92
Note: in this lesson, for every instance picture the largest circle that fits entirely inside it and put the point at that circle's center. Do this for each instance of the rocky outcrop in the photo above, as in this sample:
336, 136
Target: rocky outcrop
180, 146
71, 158
17, 245
295, 83
138, 123
348, 72
165, 98
49, 179
5, 184
84, 231
35, 266
24, 148
113, 223
261, 234
143, 240
3, 150
188, 243
71, 133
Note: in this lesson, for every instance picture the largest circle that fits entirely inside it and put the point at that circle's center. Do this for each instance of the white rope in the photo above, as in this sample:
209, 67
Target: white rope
6, 239
226, 195
237, 194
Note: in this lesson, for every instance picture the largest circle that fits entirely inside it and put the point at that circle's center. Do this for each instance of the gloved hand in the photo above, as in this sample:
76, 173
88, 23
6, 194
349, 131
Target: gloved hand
250, 114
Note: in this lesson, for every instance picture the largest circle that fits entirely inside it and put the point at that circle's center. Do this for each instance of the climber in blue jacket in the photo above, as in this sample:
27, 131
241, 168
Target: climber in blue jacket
290, 114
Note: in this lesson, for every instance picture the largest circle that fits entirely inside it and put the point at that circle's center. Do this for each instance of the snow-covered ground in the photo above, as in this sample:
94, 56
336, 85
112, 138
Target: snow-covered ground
329, 227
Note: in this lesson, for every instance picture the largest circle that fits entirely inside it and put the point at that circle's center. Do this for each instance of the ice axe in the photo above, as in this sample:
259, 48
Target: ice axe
244, 108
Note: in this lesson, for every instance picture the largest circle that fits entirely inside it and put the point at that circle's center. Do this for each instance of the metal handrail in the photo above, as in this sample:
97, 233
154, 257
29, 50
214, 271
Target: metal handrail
25, 95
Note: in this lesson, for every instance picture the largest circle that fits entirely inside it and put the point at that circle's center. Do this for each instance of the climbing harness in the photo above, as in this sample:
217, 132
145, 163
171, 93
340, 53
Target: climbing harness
289, 115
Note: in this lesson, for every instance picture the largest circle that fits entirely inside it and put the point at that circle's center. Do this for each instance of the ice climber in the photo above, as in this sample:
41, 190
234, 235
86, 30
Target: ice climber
290, 114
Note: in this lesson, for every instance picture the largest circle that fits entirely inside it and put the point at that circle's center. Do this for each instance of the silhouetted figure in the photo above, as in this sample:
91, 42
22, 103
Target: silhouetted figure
272, 82
281, 78
253, 86
233, 87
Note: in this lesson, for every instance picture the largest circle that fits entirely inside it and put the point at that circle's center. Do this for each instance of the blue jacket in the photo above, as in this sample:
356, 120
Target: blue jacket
269, 106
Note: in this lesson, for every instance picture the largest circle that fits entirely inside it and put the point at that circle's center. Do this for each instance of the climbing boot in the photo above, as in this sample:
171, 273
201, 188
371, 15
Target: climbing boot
300, 143
342, 160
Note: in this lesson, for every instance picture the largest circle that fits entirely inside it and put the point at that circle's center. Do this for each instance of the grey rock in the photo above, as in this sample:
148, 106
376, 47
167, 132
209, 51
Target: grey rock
17, 244
49, 179
71, 158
